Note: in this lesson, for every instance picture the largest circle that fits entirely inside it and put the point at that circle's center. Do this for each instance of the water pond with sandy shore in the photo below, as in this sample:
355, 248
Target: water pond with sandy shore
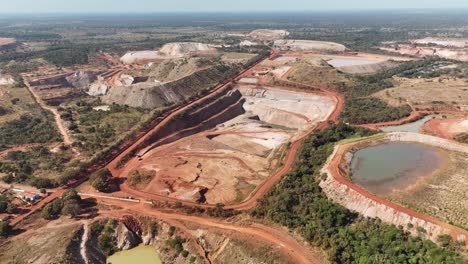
388, 167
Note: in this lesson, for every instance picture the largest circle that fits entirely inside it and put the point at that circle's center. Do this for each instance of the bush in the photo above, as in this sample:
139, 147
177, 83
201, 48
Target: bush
71, 208
106, 241
68, 204
3, 111
28, 129
52, 210
100, 180
5, 229
176, 244
139, 178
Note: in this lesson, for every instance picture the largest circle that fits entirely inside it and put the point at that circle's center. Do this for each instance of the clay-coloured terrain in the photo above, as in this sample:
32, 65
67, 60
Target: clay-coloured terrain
225, 164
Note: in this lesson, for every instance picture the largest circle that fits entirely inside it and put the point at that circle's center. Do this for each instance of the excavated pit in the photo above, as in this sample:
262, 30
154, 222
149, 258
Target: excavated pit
219, 151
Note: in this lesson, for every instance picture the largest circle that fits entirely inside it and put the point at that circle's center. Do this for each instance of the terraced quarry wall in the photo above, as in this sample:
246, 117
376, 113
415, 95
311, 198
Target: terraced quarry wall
357, 199
200, 119
218, 112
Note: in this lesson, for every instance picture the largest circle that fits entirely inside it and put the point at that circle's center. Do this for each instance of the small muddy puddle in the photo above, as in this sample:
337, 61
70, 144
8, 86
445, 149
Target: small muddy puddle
394, 166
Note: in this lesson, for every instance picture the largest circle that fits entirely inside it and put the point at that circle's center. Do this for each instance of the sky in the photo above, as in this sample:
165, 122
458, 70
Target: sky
154, 6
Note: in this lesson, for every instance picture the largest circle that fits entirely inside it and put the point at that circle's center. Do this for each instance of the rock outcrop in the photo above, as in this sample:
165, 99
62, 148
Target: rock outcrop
82, 79
126, 239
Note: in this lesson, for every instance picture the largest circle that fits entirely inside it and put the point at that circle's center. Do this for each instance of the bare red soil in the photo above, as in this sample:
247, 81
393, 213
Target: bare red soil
445, 128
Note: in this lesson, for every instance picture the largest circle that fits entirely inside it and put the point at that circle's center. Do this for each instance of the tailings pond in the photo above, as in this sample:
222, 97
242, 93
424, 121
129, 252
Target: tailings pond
394, 166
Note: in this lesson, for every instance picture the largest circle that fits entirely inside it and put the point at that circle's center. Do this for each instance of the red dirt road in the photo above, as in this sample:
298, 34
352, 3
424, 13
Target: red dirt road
298, 252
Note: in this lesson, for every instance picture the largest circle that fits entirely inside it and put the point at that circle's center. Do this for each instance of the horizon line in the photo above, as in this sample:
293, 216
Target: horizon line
451, 9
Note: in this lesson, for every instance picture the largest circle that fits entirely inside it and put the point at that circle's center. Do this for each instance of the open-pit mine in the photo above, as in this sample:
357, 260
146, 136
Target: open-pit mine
224, 149
234, 138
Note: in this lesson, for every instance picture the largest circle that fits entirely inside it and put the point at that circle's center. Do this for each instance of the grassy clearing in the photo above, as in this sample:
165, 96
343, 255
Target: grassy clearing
319, 75
16, 101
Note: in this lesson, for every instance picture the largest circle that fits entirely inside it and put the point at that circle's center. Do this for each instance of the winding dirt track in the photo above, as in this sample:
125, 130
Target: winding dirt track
58, 120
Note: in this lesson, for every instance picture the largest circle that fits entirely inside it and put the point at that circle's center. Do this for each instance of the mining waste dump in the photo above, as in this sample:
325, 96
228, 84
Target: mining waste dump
384, 168
220, 151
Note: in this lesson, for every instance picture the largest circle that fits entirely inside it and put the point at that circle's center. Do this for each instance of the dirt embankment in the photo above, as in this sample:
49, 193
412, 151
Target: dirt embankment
446, 128
338, 188
150, 95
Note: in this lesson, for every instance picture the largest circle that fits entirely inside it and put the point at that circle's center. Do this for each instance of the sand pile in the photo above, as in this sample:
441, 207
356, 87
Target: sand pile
360, 65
